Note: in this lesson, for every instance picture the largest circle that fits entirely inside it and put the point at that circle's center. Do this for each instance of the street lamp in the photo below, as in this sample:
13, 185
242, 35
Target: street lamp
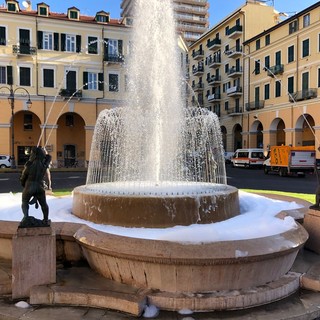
11, 102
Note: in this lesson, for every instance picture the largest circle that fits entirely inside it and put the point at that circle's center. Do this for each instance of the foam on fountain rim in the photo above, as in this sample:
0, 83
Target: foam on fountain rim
153, 188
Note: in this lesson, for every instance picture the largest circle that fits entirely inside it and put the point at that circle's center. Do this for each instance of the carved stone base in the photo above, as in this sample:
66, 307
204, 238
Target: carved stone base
33, 259
312, 224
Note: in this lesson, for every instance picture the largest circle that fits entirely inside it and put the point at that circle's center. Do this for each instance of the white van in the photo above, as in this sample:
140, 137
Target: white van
248, 158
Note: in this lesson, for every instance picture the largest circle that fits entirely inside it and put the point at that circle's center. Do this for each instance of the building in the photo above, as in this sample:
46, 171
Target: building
282, 83
192, 16
217, 72
70, 66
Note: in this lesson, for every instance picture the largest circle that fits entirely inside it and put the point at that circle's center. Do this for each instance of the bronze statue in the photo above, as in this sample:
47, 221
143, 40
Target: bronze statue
32, 180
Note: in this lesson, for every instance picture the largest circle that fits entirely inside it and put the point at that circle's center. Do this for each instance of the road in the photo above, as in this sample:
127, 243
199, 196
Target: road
238, 177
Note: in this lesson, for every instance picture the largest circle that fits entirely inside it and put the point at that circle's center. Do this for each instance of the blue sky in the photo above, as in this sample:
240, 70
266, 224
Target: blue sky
218, 8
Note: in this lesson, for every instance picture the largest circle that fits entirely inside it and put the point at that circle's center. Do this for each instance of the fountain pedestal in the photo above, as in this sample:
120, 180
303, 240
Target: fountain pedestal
311, 223
33, 259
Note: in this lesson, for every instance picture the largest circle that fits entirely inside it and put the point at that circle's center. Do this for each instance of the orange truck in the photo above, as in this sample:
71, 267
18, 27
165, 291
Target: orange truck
287, 160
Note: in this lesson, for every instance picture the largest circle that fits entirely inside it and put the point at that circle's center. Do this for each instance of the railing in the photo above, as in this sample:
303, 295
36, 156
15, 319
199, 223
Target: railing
214, 97
197, 86
24, 50
304, 95
255, 105
234, 70
213, 43
234, 51
214, 59
68, 93
274, 70
234, 90
234, 29
197, 69
197, 53
117, 58
213, 79
235, 110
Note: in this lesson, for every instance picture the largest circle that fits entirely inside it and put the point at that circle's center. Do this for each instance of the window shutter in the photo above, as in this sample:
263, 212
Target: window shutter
106, 44
85, 80
56, 41
63, 42
101, 82
9, 75
2, 36
40, 37
78, 43
120, 47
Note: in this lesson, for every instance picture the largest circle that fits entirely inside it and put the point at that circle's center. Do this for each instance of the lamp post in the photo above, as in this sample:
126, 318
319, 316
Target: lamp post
11, 102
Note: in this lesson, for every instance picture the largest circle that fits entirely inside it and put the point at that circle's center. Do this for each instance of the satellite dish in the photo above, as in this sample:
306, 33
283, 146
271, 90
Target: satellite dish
26, 4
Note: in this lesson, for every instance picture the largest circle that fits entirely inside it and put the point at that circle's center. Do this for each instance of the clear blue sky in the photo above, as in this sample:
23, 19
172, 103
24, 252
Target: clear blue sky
218, 8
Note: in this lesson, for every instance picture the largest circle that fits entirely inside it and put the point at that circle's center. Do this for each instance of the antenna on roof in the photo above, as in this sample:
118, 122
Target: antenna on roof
26, 4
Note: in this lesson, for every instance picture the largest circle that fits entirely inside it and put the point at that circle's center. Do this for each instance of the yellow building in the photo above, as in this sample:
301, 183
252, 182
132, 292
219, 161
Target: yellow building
71, 66
282, 83
217, 69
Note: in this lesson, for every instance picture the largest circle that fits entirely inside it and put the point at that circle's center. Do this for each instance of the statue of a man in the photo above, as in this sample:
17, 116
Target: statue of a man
32, 180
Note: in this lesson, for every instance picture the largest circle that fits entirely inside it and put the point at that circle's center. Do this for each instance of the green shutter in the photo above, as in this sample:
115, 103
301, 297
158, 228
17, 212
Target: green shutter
40, 37
9, 75
78, 43
56, 41
85, 80
106, 43
120, 47
63, 41
101, 82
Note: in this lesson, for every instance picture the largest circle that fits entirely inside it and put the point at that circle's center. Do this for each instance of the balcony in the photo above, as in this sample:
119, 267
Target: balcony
235, 31
214, 44
71, 93
214, 62
303, 95
198, 55
234, 52
234, 72
234, 91
277, 69
198, 87
24, 50
214, 80
255, 105
113, 58
198, 71
214, 97
234, 111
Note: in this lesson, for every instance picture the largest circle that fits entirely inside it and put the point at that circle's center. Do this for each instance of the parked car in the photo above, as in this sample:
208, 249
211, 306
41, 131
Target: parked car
228, 156
5, 161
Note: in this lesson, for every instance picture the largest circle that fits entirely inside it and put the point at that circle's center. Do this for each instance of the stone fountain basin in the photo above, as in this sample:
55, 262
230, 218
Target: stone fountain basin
191, 268
155, 205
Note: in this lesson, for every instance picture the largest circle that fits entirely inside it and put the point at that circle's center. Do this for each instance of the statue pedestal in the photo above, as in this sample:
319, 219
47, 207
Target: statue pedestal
311, 223
33, 259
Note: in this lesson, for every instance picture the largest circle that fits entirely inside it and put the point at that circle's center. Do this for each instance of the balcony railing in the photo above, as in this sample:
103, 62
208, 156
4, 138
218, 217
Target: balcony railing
234, 52
214, 61
303, 95
214, 97
255, 105
16, 49
68, 93
274, 70
234, 71
198, 54
235, 110
212, 80
233, 91
214, 44
114, 58
197, 70
197, 87
235, 31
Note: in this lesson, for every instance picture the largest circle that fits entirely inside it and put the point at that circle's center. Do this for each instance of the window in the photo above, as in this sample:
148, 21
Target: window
293, 26
48, 78
43, 11
258, 44
278, 89
266, 91
113, 82
3, 74
278, 58
291, 84
226, 105
27, 121
306, 20
267, 39
319, 78
227, 30
3, 40
290, 54
226, 68
102, 18
305, 81
257, 67
47, 41
11, 7
93, 45
69, 120
92, 81
70, 43
73, 14
305, 48
257, 94
113, 50
25, 75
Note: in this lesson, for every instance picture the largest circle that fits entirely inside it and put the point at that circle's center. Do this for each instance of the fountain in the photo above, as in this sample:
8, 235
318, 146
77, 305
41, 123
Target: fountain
157, 164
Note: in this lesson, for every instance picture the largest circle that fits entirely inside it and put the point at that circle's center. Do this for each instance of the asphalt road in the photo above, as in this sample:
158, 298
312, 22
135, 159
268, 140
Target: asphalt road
238, 177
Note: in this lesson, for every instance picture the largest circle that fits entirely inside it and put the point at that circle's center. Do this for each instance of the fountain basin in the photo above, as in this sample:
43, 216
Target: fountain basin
154, 205
191, 268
